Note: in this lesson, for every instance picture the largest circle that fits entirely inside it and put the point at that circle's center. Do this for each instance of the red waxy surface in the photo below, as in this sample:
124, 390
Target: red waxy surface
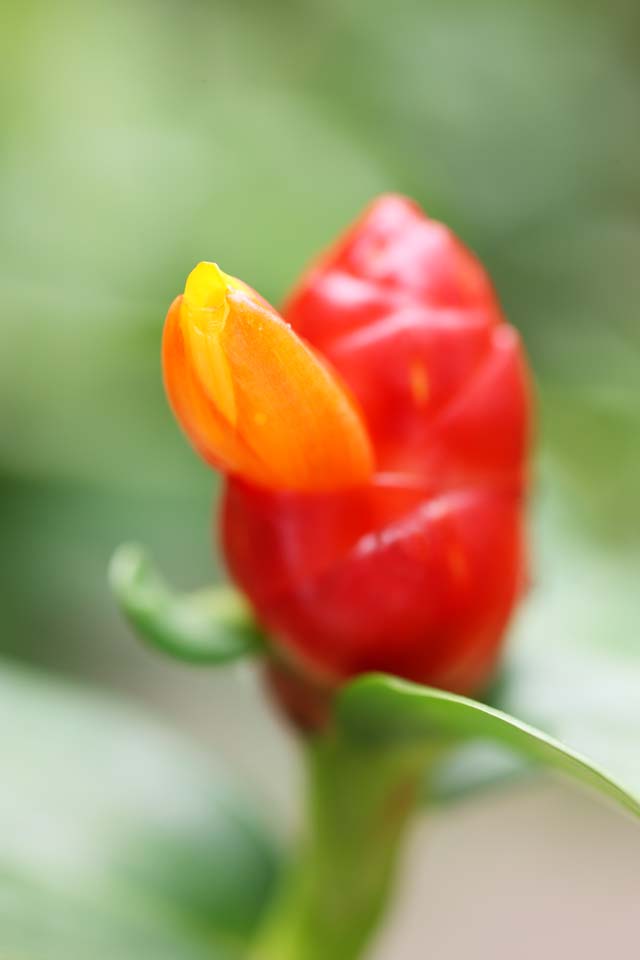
417, 572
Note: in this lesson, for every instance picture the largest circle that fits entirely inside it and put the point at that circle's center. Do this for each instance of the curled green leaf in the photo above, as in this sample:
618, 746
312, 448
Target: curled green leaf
208, 626
384, 709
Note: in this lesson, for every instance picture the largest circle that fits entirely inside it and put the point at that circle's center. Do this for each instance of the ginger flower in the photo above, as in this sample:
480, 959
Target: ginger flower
374, 440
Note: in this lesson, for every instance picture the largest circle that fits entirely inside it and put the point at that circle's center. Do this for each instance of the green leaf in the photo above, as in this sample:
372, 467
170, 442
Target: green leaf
387, 710
118, 838
210, 626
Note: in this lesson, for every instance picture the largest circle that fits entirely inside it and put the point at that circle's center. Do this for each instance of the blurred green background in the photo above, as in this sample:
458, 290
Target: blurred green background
141, 137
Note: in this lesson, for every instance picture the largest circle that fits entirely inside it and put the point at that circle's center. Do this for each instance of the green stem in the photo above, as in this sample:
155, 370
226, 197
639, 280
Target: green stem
360, 798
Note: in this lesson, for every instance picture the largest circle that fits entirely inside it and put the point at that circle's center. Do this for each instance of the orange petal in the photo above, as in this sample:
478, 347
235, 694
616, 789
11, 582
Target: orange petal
252, 397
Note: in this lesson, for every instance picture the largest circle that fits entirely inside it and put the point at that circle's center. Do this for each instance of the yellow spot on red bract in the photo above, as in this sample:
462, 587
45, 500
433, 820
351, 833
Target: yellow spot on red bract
419, 383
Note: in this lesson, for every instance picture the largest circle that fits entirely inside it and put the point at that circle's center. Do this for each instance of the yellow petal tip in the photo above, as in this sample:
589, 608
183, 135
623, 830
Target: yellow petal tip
203, 315
206, 288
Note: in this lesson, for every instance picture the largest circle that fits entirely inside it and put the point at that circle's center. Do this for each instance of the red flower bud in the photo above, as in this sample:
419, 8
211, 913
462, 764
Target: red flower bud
411, 566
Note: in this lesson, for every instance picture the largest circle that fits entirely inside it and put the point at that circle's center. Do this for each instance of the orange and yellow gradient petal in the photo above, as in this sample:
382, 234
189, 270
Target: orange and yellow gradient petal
252, 397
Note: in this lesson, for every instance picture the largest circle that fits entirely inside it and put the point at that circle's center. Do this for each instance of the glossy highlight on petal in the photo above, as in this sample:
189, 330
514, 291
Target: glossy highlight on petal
254, 399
